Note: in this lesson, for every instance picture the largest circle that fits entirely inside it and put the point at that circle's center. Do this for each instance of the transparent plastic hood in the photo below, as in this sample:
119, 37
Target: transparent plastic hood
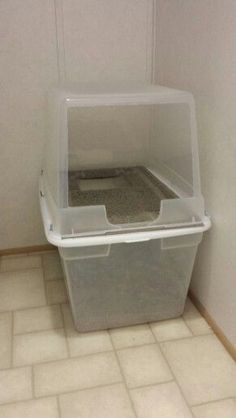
121, 158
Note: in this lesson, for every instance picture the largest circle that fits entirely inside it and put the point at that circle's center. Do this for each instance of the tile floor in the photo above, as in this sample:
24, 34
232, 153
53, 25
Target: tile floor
170, 369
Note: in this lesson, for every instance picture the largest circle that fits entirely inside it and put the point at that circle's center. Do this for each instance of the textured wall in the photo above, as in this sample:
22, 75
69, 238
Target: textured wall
196, 52
84, 40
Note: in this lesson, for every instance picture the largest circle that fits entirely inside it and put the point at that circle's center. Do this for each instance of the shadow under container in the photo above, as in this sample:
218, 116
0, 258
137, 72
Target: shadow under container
120, 197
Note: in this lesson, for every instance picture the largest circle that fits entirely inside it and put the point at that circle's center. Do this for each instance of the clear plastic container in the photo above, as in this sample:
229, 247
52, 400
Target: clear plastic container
128, 283
120, 196
121, 159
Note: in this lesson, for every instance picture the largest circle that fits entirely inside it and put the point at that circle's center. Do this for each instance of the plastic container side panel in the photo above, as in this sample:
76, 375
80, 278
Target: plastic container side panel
171, 145
136, 283
184, 241
81, 253
51, 156
181, 210
63, 156
102, 137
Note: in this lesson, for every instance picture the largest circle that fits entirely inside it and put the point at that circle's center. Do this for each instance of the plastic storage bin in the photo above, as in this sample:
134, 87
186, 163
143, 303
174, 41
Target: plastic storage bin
120, 196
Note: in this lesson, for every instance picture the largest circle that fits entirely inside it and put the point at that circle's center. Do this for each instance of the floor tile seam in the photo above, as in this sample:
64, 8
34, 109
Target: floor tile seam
65, 329
33, 398
69, 358
38, 331
136, 346
11, 336
45, 287
227, 398
174, 339
153, 384
26, 254
43, 252
24, 309
185, 323
123, 377
18, 271
32, 383
82, 356
27, 309
41, 362
199, 334
190, 337
174, 376
80, 389
58, 407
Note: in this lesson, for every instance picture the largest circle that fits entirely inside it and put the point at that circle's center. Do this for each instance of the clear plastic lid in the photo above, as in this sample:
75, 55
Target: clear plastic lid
121, 158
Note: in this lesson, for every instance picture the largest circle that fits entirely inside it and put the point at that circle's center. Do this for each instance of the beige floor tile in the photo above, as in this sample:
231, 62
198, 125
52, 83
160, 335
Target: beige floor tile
144, 365
163, 400
170, 330
203, 368
39, 347
74, 374
220, 409
84, 343
40, 408
15, 385
37, 319
194, 320
5, 339
105, 402
131, 336
52, 266
22, 289
20, 263
56, 292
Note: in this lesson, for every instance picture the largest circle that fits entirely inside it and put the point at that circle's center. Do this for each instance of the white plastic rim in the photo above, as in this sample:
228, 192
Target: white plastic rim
57, 240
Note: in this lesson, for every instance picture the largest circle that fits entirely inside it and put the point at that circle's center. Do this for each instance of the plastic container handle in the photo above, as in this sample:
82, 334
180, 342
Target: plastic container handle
129, 241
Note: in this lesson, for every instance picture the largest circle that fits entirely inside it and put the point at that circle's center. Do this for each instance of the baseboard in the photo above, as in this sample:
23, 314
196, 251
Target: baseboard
27, 250
217, 330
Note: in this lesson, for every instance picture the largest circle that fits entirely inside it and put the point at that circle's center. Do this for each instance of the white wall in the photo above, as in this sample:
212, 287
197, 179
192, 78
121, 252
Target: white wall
196, 50
84, 40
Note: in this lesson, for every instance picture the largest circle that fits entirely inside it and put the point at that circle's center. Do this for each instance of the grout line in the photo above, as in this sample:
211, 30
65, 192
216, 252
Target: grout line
58, 406
66, 334
187, 325
23, 251
173, 374
152, 384
123, 377
137, 346
213, 401
190, 337
105, 385
200, 334
28, 400
32, 382
18, 271
77, 357
220, 335
38, 331
112, 350
44, 285
70, 358
73, 391
25, 309
22, 256
12, 339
